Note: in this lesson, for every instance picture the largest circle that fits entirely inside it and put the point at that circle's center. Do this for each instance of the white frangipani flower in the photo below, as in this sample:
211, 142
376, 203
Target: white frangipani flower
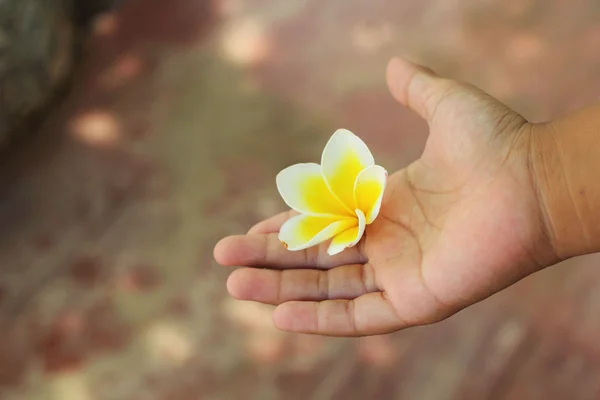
336, 200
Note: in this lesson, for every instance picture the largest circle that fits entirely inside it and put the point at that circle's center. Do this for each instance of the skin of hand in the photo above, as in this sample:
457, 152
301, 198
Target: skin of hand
466, 220
565, 163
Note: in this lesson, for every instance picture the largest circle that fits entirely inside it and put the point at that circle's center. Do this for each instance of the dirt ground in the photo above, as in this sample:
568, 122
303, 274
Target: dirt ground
183, 112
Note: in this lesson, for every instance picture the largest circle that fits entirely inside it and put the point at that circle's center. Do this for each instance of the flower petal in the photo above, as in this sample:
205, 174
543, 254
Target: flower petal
368, 191
349, 237
303, 188
304, 231
344, 156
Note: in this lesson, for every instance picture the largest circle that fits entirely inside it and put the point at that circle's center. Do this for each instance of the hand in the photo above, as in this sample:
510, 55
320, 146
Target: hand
456, 226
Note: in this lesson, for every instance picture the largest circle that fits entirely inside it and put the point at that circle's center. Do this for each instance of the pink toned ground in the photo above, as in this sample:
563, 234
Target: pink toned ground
183, 113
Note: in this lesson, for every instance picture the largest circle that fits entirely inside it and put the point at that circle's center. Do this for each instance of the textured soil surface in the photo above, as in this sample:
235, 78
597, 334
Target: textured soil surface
184, 112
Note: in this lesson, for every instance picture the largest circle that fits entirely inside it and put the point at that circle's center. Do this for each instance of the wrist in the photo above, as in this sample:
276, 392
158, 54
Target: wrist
565, 168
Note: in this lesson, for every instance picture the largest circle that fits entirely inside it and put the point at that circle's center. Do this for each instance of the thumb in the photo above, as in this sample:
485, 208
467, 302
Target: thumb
422, 90
416, 87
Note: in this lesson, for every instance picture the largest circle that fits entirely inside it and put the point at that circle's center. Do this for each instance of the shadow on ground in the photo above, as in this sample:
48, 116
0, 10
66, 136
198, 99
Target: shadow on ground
172, 138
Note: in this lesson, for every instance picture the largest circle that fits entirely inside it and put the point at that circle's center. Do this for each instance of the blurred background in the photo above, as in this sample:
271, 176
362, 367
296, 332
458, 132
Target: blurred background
136, 133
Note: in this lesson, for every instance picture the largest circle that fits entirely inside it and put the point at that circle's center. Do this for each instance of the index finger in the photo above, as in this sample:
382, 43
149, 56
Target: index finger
266, 251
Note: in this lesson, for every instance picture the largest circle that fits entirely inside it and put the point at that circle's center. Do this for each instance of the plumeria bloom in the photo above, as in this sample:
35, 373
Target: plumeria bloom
336, 200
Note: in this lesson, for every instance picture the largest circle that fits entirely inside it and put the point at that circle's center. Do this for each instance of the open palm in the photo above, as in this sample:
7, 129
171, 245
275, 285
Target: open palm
456, 226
